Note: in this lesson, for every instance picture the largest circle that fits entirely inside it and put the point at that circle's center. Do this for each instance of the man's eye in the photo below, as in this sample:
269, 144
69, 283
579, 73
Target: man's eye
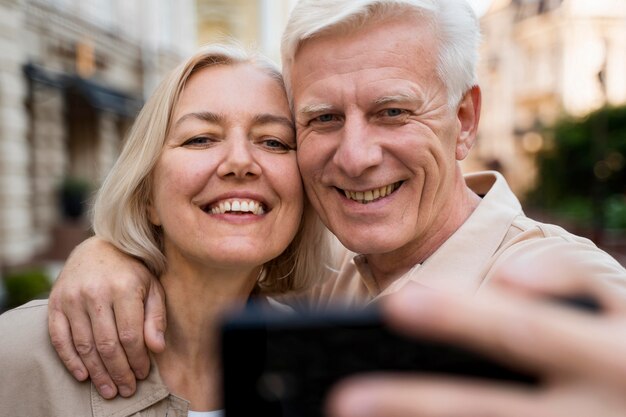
325, 118
393, 112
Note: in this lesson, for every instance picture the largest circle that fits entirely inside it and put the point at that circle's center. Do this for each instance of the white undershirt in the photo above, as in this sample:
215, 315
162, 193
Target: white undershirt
216, 413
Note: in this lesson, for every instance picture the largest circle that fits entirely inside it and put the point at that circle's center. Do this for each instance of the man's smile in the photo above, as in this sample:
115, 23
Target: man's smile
369, 196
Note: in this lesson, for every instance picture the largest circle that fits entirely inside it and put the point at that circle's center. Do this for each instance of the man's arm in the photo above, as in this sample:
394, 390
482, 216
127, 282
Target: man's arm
96, 317
578, 355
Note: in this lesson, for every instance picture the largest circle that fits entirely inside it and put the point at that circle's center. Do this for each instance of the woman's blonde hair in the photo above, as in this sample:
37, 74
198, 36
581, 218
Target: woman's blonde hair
120, 213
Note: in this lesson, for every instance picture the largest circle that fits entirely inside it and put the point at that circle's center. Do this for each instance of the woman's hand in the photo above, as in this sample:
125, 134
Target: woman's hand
96, 317
580, 356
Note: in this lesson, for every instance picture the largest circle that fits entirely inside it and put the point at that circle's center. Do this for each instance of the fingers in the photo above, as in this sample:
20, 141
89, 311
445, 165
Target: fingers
155, 322
111, 354
61, 339
129, 317
536, 335
401, 396
611, 299
566, 269
85, 345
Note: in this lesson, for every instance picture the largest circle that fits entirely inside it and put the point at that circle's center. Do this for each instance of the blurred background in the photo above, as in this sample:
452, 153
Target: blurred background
73, 75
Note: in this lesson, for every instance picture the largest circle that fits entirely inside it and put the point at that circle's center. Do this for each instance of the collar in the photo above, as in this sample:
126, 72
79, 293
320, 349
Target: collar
149, 392
457, 264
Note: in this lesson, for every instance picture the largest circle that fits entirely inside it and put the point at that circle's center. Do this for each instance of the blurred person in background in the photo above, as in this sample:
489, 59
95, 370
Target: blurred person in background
207, 194
386, 104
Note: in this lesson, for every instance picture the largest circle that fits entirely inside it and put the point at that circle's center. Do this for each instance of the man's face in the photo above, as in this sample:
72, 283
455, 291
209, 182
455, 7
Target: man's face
377, 142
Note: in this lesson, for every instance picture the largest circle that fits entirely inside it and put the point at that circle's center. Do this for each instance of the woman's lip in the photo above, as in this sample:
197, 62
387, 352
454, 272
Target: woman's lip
242, 195
236, 206
237, 197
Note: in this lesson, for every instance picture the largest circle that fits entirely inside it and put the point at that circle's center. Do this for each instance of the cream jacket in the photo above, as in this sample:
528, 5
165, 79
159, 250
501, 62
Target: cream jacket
34, 382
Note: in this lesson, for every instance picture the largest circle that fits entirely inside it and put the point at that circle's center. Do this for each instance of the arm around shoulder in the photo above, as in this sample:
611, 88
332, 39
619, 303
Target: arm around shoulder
100, 295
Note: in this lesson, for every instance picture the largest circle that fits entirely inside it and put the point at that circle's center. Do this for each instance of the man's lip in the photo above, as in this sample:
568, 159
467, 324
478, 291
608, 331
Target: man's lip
370, 195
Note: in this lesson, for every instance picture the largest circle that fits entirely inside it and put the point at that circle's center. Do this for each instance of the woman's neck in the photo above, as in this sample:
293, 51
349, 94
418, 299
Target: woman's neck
196, 298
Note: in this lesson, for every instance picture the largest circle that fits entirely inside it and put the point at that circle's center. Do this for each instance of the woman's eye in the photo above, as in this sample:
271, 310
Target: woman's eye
275, 144
199, 141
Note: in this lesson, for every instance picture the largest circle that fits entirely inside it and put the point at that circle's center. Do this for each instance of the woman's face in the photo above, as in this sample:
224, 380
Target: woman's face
226, 188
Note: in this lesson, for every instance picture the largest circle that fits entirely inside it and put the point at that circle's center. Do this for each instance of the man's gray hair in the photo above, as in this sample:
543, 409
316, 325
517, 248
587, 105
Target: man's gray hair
454, 22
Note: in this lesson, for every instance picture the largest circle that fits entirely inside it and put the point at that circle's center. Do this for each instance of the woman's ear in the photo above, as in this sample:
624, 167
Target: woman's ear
468, 114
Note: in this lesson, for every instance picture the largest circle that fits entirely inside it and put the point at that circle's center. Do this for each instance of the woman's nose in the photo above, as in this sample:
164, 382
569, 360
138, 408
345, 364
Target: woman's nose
239, 161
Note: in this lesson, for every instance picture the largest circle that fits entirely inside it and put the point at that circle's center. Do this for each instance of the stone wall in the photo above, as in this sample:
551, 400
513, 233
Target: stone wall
16, 223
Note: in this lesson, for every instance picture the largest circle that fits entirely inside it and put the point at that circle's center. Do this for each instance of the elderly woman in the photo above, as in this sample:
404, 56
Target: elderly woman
206, 192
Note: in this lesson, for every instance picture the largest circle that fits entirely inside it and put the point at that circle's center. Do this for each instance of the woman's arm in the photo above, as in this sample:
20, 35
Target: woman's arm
96, 317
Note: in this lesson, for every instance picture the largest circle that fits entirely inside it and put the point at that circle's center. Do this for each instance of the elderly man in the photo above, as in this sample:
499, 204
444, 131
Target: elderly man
386, 105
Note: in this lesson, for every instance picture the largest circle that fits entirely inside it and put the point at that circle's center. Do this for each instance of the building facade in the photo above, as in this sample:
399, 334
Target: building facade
73, 74
541, 60
255, 23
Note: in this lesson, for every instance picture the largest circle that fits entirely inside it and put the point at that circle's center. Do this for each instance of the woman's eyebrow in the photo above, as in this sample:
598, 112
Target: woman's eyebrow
204, 116
268, 118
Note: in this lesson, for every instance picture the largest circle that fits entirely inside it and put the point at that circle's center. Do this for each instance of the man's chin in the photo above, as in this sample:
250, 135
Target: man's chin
368, 244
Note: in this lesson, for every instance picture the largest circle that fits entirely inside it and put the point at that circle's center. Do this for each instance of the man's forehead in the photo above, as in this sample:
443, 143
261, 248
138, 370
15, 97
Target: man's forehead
319, 53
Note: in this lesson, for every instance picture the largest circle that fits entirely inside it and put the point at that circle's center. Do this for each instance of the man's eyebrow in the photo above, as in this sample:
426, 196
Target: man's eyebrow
311, 109
267, 118
397, 98
205, 116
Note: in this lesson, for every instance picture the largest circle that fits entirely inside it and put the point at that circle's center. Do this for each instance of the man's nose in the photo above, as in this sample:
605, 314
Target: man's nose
239, 160
358, 150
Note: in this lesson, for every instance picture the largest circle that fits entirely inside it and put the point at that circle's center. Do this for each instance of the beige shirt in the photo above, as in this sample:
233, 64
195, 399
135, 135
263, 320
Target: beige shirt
34, 382
496, 230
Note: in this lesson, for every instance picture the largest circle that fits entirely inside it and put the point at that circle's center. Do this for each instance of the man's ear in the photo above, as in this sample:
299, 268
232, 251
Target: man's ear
468, 114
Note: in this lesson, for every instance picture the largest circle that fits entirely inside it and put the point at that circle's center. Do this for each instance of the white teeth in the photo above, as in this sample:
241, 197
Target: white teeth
241, 206
368, 196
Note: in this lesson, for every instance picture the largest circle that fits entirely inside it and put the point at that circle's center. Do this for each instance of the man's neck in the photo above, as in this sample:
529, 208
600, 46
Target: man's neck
388, 267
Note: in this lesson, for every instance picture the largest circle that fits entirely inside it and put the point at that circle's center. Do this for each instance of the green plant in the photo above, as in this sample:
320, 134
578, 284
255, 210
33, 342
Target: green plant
582, 175
25, 285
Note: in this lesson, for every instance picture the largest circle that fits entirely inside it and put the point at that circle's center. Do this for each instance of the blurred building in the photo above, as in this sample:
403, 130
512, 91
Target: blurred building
542, 59
257, 23
73, 74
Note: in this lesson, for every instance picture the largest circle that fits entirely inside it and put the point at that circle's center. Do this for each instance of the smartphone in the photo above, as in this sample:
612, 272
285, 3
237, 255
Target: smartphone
283, 365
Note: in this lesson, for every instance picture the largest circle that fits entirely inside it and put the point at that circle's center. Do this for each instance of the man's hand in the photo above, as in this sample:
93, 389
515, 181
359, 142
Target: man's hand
96, 317
579, 356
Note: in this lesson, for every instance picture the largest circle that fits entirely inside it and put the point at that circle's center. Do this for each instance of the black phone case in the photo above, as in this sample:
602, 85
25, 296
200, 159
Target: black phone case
283, 365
